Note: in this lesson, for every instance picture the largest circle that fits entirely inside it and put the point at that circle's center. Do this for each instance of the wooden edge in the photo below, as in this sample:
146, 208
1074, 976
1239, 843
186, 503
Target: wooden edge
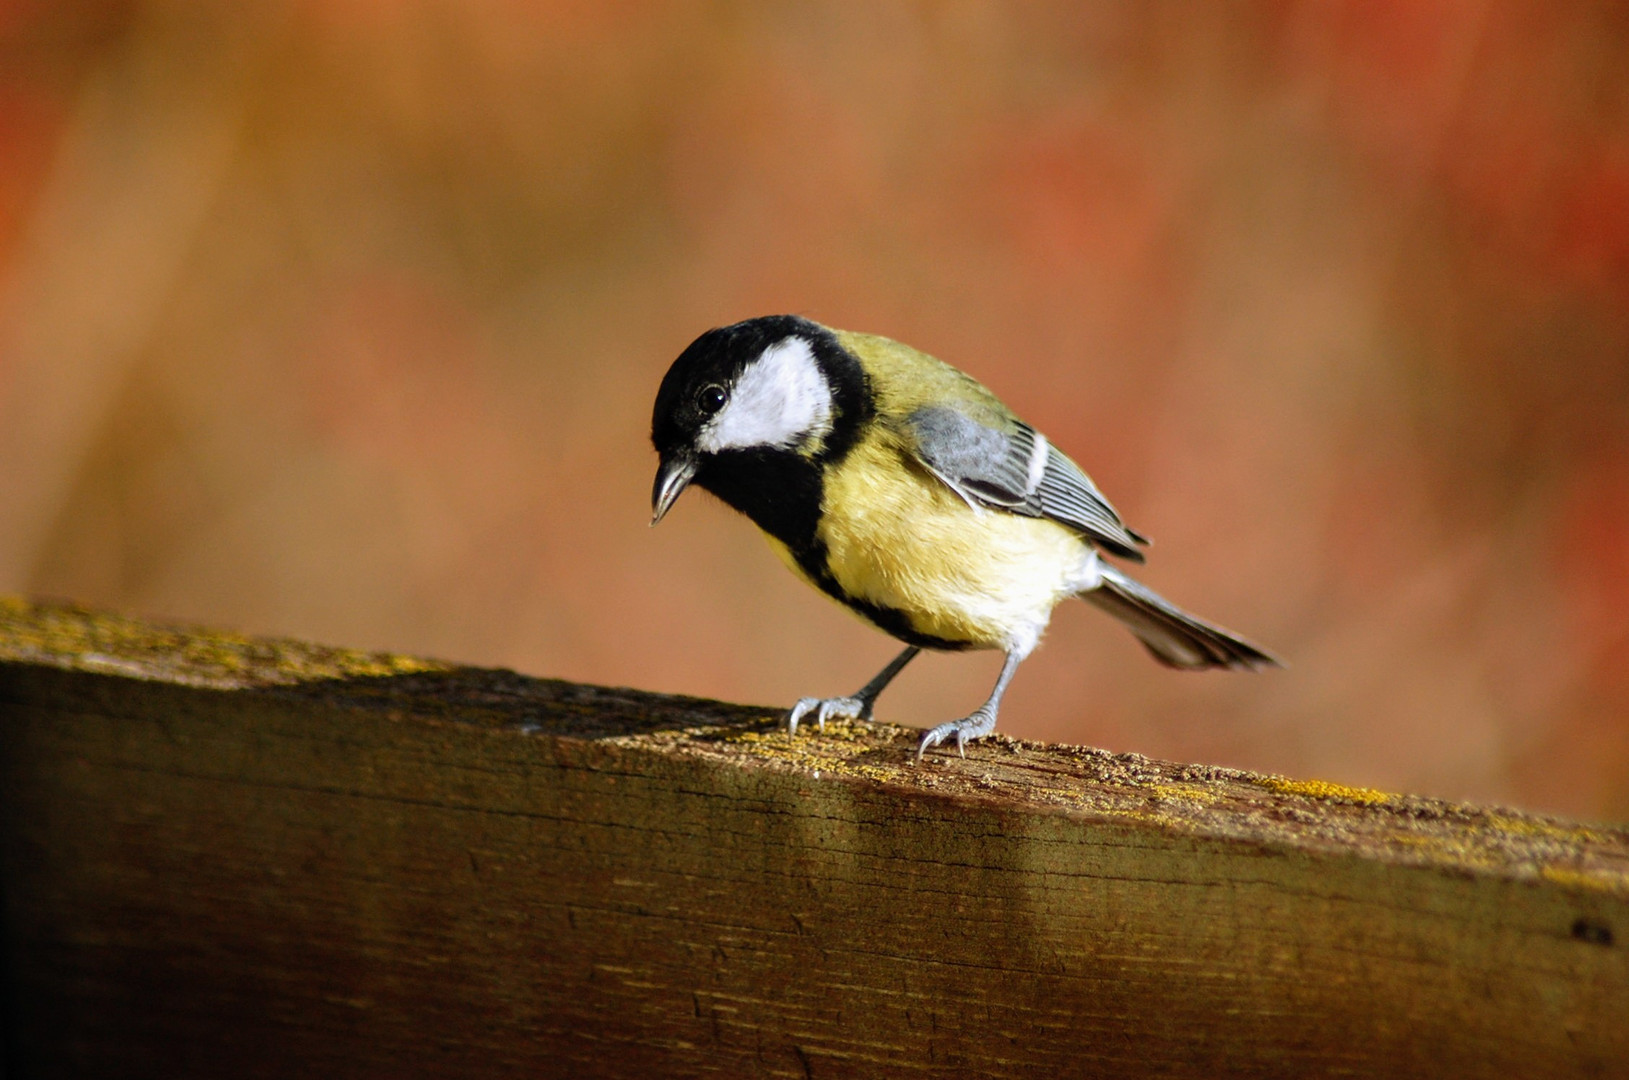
1276, 812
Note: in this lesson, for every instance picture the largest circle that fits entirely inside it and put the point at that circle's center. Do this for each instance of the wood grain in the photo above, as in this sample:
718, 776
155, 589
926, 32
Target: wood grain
229, 856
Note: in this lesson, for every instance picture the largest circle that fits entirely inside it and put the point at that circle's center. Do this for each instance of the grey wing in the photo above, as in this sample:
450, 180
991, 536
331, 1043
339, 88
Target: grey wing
1018, 471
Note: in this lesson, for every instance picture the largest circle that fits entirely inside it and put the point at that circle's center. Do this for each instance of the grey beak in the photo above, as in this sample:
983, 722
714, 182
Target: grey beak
672, 477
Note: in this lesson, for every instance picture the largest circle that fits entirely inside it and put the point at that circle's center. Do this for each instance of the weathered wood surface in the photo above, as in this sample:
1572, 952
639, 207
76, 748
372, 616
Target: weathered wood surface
233, 857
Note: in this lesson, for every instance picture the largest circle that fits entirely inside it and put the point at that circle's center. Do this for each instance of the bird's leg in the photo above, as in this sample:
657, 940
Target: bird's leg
858, 706
980, 723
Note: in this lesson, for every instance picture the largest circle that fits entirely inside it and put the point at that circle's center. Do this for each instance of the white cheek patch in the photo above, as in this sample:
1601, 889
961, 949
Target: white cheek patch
780, 399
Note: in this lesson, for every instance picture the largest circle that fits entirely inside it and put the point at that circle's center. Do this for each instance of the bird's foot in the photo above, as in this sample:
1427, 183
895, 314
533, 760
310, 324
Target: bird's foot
824, 709
968, 728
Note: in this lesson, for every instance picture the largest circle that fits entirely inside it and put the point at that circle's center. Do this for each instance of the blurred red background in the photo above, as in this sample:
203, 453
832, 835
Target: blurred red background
342, 319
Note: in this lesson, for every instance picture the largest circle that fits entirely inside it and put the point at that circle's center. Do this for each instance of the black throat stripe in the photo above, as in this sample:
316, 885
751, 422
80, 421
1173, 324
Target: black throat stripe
781, 491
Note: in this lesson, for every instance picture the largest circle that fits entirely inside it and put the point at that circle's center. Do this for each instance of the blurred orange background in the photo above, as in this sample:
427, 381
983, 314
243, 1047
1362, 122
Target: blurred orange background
343, 318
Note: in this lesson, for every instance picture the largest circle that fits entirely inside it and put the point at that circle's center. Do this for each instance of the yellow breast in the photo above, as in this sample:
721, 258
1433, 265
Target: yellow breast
898, 537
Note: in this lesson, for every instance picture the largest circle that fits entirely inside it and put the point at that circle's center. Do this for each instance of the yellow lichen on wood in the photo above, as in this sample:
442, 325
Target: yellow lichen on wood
65, 635
1585, 880
1542, 828
1323, 789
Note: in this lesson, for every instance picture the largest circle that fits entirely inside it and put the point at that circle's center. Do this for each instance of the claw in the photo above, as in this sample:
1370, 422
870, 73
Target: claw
798, 712
803, 708
857, 705
968, 728
824, 709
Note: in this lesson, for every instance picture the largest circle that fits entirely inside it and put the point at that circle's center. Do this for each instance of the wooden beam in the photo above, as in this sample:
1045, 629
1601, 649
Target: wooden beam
231, 856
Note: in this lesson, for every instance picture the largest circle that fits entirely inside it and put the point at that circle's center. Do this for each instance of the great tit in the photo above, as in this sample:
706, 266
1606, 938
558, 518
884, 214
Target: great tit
906, 490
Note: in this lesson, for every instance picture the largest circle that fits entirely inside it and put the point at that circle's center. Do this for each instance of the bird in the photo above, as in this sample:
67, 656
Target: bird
905, 490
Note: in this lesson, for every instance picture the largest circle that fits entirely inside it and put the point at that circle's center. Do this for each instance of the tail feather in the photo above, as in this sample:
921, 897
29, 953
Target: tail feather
1174, 637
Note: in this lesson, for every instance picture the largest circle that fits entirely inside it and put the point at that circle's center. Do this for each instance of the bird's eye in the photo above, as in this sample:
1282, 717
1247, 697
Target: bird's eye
711, 398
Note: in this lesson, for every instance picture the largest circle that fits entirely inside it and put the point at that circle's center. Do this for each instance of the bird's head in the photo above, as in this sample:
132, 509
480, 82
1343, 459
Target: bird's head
774, 385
